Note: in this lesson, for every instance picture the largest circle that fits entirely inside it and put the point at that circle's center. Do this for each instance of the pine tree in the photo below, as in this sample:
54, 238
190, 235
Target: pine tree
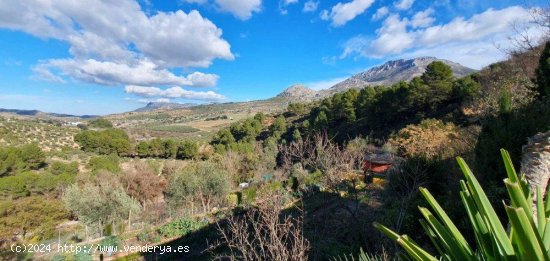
543, 72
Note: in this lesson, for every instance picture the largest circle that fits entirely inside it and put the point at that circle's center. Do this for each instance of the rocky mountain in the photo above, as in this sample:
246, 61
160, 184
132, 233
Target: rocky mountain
394, 71
386, 74
164, 105
298, 92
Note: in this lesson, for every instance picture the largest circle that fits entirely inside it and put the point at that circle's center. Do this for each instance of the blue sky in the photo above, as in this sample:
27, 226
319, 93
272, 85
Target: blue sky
102, 57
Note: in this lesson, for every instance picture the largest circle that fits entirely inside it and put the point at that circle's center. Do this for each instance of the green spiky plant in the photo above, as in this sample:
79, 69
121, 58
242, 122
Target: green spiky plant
528, 236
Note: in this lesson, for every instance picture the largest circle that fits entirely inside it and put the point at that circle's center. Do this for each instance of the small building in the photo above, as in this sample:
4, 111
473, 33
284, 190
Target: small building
377, 162
72, 123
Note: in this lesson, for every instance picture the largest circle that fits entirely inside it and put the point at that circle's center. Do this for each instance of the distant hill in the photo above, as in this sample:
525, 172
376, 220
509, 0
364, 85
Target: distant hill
164, 105
298, 92
37, 113
386, 74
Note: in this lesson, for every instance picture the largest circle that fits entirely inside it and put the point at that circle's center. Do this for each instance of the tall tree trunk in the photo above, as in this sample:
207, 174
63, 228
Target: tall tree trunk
535, 163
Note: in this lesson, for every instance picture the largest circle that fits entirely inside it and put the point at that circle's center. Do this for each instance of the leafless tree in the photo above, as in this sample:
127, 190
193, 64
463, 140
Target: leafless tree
523, 38
321, 153
264, 233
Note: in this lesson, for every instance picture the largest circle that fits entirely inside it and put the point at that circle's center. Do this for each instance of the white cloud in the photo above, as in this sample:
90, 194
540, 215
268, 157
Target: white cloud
342, 13
241, 9
423, 18
173, 93
403, 4
111, 73
310, 6
120, 33
380, 13
392, 37
477, 27
283, 4
324, 15
469, 41
42, 72
324, 84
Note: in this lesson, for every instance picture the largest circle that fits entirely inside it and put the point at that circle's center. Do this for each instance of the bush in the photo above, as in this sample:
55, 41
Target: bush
17, 159
431, 138
466, 88
142, 182
100, 123
110, 241
145, 236
180, 227
187, 150
202, 181
36, 215
104, 142
58, 168
101, 204
109, 163
33, 183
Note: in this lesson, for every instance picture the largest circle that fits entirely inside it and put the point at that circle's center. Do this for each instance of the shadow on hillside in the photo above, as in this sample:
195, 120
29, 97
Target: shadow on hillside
333, 225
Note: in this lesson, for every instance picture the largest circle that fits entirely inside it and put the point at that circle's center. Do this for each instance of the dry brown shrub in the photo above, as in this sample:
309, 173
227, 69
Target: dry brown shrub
319, 152
264, 232
206, 151
142, 183
433, 138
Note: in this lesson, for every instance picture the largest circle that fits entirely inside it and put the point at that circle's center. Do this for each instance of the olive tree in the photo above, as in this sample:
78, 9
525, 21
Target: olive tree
202, 181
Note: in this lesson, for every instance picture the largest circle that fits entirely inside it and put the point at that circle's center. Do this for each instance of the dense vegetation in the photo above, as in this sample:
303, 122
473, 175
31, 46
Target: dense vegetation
378, 111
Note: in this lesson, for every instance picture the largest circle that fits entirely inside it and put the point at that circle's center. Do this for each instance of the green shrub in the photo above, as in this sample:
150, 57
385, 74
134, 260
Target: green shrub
31, 215
200, 181
109, 163
187, 150
180, 227
17, 159
145, 236
104, 142
110, 241
58, 167
100, 123
249, 194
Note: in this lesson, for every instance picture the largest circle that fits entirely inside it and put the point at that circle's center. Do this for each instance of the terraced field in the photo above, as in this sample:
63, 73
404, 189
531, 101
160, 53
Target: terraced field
196, 123
49, 136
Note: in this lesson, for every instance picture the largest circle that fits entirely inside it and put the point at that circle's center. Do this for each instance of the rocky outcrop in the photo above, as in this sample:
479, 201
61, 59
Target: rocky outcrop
535, 163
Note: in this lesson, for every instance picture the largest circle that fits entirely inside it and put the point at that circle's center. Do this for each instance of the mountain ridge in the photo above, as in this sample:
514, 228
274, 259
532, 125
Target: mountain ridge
151, 106
38, 113
385, 74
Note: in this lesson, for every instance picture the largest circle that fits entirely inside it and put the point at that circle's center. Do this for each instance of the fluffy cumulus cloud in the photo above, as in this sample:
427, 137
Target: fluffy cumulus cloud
403, 4
173, 92
111, 73
469, 41
310, 6
342, 13
116, 42
423, 18
242, 9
